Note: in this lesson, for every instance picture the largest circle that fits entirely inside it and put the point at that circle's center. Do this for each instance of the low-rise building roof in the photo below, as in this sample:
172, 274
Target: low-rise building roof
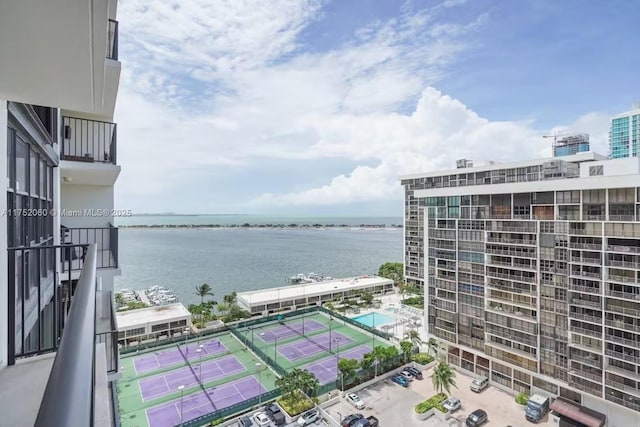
143, 316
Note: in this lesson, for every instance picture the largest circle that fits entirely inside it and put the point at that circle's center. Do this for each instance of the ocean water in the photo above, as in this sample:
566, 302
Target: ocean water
251, 219
236, 259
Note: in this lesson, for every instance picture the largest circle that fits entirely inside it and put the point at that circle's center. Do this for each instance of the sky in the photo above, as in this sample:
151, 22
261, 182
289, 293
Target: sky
316, 107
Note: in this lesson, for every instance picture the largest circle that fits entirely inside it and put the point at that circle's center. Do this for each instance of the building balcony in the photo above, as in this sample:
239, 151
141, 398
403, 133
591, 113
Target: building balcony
584, 331
585, 303
622, 341
622, 279
589, 246
66, 383
88, 141
105, 238
623, 264
586, 317
620, 324
627, 357
586, 260
594, 290
614, 308
633, 296
623, 399
589, 360
623, 249
591, 374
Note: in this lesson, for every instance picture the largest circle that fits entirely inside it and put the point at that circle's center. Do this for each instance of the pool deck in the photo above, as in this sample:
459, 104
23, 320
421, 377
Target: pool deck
401, 317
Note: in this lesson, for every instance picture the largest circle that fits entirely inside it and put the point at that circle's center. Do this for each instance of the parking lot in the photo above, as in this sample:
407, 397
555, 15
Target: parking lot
394, 405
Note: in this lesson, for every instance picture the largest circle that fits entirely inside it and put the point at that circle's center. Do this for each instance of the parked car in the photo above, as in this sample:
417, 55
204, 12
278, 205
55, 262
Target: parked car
355, 400
367, 422
479, 384
245, 421
309, 417
273, 411
477, 418
262, 420
399, 379
452, 404
350, 420
415, 372
407, 375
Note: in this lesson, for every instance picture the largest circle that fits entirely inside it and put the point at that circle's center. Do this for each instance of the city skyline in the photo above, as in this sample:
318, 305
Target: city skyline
310, 107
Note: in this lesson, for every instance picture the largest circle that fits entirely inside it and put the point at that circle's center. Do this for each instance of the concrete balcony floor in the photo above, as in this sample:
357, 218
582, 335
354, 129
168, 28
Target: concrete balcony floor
21, 389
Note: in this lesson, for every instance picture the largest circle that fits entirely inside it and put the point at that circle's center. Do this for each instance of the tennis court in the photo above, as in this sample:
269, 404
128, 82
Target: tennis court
160, 384
314, 342
202, 403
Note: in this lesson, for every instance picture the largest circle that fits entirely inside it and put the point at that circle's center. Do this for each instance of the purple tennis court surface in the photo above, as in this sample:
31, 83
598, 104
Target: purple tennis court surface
152, 361
313, 345
163, 384
326, 370
196, 405
290, 330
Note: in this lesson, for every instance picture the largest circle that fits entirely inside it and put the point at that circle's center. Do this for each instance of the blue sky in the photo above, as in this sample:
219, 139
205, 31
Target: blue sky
310, 107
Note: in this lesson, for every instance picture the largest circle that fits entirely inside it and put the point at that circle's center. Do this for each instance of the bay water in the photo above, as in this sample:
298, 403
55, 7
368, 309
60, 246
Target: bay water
243, 259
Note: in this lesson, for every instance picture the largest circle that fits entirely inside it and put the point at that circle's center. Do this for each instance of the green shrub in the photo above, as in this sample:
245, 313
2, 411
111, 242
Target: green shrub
216, 422
422, 358
296, 404
522, 398
432, 402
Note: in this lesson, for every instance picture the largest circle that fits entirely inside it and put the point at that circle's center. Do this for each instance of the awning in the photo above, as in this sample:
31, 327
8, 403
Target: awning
588, 417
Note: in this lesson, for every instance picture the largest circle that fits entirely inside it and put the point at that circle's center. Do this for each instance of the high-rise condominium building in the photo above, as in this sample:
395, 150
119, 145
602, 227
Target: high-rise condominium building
624, 134
531, 274
59, 79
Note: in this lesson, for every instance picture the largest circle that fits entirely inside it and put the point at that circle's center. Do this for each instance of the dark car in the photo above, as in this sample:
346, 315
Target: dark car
350, 420
367, 422
400, 380
273, 411
477, 418
415, 372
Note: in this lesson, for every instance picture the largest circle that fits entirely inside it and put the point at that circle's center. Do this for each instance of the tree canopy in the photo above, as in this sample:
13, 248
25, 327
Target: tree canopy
393, 271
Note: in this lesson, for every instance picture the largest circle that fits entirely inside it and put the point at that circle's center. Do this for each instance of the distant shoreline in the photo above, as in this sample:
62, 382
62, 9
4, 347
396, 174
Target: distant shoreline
247, 225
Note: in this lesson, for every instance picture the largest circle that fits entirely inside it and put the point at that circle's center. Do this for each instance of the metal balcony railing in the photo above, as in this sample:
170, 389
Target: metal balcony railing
105, 238
112, 40
39, 298
69, 396
88, 141
107, 329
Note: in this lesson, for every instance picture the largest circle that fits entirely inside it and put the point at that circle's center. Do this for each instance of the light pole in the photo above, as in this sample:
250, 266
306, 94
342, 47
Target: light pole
181, 388
258, 366
199, 351
275, 350
186, 335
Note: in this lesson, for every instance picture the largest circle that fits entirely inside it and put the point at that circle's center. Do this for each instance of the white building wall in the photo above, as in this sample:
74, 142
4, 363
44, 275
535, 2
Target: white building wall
79, 198
4, 333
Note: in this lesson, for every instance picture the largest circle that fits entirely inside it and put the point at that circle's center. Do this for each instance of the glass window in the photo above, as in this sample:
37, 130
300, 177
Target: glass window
22, 166
33, 172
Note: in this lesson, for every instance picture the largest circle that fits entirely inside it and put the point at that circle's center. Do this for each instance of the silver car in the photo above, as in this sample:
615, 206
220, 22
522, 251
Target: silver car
452, 404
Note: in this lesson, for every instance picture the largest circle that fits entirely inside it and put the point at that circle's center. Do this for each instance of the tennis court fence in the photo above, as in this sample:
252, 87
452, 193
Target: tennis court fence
258, 352
233, 409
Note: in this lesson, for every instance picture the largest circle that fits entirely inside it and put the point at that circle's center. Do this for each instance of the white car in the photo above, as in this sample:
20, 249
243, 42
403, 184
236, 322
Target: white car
355, 400
452, 404
262, 419
407, 375
309, 417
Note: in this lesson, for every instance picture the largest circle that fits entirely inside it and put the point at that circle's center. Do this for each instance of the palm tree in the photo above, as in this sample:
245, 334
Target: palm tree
223, 308
380, 356
443, 377
414, 337
308, 382
432, 346
231, 298
406, 347
202, 291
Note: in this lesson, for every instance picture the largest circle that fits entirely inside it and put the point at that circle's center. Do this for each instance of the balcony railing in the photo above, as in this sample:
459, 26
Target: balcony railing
106, 240
112, 40
69, 396
88, 141
107, 329
39, 296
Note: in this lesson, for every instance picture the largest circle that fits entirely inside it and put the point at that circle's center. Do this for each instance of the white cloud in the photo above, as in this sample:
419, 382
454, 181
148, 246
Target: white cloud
439, 131
218, 84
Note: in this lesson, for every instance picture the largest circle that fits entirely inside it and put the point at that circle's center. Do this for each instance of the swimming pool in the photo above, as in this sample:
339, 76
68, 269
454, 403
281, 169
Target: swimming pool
373, 319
